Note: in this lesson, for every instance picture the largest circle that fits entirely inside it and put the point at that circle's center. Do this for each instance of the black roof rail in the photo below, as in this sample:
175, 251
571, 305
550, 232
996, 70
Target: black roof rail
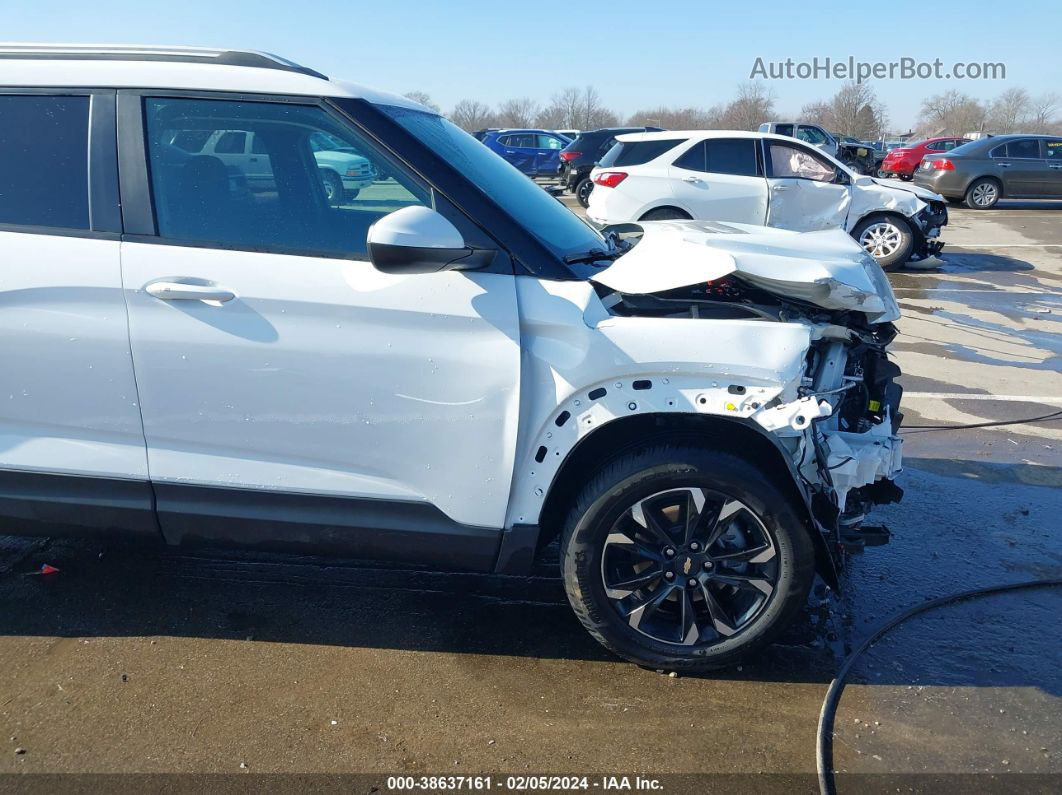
121, 52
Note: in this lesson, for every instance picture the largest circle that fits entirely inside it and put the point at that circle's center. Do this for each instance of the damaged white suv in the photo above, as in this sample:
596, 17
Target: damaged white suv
448, 369
759, 178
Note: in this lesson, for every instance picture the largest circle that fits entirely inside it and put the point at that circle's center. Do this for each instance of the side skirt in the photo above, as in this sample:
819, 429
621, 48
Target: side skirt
44, 504
409, 532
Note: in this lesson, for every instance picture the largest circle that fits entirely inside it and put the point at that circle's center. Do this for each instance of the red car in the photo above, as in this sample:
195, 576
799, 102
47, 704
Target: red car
903, 160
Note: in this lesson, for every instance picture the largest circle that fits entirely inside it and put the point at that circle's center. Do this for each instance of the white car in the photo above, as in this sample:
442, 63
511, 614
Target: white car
453, 372
763, 179
344, 172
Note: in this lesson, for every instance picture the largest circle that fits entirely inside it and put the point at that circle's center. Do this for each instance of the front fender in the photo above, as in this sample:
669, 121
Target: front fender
584, 369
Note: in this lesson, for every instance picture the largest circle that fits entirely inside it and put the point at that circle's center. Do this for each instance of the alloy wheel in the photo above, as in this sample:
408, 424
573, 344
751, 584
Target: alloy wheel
585, 187
689, 566
984, 195
881, 239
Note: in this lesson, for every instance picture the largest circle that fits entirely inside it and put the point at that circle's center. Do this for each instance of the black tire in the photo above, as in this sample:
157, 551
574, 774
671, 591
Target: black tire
333, 186
666, 214
582, 191
906, 177
664, 471
889, 234
983, 194
352, 194
954, 201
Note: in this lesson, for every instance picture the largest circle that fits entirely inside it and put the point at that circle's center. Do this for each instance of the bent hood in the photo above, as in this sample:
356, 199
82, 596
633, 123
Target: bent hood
924, 194
828, 269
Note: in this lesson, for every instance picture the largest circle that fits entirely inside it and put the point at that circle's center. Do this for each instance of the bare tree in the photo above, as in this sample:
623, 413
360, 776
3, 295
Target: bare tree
519, 112
1044, 114
952, 113
563, 109
1010, 111
423, 98
678, 118
855, 111
551, 118
472, 115
577, 109
820, 113
753, 105
592, 113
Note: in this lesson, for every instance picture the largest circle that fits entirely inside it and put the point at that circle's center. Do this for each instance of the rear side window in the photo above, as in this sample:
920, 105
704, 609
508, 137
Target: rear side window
635, 153
1053, 149
44, 161
521, 141
732, 156
693, 159
1027, 149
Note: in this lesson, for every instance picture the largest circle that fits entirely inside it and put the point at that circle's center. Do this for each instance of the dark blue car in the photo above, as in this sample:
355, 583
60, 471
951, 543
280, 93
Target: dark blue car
535, 152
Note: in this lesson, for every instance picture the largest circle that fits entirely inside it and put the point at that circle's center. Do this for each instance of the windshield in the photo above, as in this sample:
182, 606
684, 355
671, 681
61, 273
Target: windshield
528, 204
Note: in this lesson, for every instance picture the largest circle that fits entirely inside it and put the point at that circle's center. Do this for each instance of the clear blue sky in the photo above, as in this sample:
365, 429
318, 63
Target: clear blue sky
637, 54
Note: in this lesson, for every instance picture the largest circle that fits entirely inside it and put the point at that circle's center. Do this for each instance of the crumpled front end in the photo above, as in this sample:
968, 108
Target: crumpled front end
925, 210
833, 408
929, 223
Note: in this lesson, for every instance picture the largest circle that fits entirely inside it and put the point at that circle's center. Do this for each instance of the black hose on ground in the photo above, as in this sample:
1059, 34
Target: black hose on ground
824, 739
1054, 415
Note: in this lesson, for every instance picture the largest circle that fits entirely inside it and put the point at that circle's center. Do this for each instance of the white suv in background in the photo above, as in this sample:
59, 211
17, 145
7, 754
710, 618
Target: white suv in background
762, 179
449, 369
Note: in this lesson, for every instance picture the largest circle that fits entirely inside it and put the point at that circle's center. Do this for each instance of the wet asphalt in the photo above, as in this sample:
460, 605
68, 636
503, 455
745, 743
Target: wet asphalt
146, 660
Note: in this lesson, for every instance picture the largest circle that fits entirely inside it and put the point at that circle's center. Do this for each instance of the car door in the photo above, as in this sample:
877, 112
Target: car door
292, 395
1052, 150
719, 179
1022, 167
804, 191
547, 161
71, 441
520, 149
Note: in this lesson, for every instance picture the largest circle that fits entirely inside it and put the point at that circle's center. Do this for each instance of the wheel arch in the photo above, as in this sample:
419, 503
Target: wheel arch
669, 205
733, 435
886, 213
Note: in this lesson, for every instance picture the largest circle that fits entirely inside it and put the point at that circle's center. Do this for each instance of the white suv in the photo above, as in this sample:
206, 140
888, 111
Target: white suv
449, 368
759, 178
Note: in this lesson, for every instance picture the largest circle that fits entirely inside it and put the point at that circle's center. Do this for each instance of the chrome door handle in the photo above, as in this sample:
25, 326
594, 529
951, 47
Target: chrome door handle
1003, 165
182, 291
779, 187
691, 179
1049, 165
